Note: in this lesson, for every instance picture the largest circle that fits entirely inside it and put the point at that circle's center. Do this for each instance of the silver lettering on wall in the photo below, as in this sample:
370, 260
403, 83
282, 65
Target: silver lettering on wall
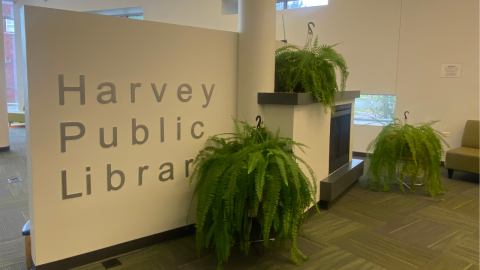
62, 89
114, 139
162, 133
161, 176
188, 92
193, 130
134, 132
109, 178
179, 129
133, 86
157, 96
65, 195
71, 131
187, 162
89, 182
140, 174
208, 96
64, 137
112, 93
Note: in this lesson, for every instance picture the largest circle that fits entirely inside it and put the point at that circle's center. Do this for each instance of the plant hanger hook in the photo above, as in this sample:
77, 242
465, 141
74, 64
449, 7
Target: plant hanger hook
308, 42
405, 114
310, 30
259, 119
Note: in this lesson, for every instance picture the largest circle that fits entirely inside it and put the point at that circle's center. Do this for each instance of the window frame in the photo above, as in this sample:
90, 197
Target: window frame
7, 25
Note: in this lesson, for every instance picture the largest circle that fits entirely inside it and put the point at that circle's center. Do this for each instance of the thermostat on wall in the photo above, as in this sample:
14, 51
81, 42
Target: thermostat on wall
451, 70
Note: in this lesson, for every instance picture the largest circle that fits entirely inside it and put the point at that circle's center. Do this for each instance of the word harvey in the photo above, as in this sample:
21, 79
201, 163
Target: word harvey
109, 91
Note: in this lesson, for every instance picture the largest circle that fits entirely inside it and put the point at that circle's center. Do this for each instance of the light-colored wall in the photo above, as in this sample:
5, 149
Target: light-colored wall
205, 14
435, 32
363, 135
121, 51
367, 31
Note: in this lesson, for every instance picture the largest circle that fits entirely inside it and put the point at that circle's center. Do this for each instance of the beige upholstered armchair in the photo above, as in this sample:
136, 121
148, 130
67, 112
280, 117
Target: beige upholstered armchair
467, 157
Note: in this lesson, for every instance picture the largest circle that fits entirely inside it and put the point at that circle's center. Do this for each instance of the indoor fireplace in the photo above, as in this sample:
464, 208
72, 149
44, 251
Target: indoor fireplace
340, 137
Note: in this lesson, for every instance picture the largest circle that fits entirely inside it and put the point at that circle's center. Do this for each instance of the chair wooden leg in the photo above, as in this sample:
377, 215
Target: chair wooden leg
28, 252
450, 173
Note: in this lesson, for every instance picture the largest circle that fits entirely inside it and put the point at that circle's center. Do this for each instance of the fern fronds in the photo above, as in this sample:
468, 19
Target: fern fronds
311, 70
245, 178
409, 150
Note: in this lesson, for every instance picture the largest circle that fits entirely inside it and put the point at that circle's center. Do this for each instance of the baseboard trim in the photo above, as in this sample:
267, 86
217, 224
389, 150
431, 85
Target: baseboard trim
116, 250
5, 149
359, 154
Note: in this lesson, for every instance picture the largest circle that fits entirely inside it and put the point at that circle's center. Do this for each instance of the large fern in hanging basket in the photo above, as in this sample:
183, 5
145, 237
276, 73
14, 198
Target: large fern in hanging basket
248, 177
402, 150
311, 70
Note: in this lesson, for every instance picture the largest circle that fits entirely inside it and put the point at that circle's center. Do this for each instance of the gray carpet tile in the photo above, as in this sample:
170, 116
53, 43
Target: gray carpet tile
16, 266
5, 190
11, 225
12, 252
13, 203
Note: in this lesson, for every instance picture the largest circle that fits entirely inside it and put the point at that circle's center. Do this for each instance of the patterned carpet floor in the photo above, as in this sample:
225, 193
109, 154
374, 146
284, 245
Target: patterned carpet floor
363, 230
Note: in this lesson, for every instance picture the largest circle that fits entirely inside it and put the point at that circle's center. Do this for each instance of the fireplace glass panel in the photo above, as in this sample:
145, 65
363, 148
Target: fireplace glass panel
340, 137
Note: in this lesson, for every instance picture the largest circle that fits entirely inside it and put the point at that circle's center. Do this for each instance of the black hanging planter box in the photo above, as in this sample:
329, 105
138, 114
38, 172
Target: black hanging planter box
286, 98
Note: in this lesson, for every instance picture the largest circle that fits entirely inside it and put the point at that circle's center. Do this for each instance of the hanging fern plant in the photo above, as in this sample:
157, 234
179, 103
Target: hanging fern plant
409, 150
311, 70
249, 177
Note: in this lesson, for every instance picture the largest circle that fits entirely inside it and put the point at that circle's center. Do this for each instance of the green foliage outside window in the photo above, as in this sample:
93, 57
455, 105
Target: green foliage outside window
382, 106
248, 178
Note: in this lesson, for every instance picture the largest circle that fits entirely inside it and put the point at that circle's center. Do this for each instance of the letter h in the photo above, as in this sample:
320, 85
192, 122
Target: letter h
62, 88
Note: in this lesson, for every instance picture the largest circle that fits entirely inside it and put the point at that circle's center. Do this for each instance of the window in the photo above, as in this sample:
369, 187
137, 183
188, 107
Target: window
9, 26
130, 12
132, 16
286, 4
9, 55
374, 109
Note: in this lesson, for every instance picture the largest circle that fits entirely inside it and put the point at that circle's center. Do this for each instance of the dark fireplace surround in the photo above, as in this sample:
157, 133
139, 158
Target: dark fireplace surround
340, 137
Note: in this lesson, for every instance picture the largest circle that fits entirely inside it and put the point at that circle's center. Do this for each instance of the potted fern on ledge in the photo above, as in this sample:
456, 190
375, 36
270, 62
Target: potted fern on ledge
311, 69
249, 179
406, 151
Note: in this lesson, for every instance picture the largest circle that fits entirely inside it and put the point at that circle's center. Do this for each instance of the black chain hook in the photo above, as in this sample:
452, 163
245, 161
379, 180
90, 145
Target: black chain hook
310, 30
259, 119
405, 114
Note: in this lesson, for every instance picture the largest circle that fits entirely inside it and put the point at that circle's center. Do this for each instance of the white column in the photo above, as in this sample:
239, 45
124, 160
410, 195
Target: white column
256, 55
4, 136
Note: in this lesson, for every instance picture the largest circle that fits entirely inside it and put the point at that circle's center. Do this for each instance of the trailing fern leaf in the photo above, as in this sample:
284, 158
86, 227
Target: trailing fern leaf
311, 70
250, 177
408, 150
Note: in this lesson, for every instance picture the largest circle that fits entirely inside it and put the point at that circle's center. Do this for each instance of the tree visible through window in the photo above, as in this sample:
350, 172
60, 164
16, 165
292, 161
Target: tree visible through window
286, 4
374, 109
